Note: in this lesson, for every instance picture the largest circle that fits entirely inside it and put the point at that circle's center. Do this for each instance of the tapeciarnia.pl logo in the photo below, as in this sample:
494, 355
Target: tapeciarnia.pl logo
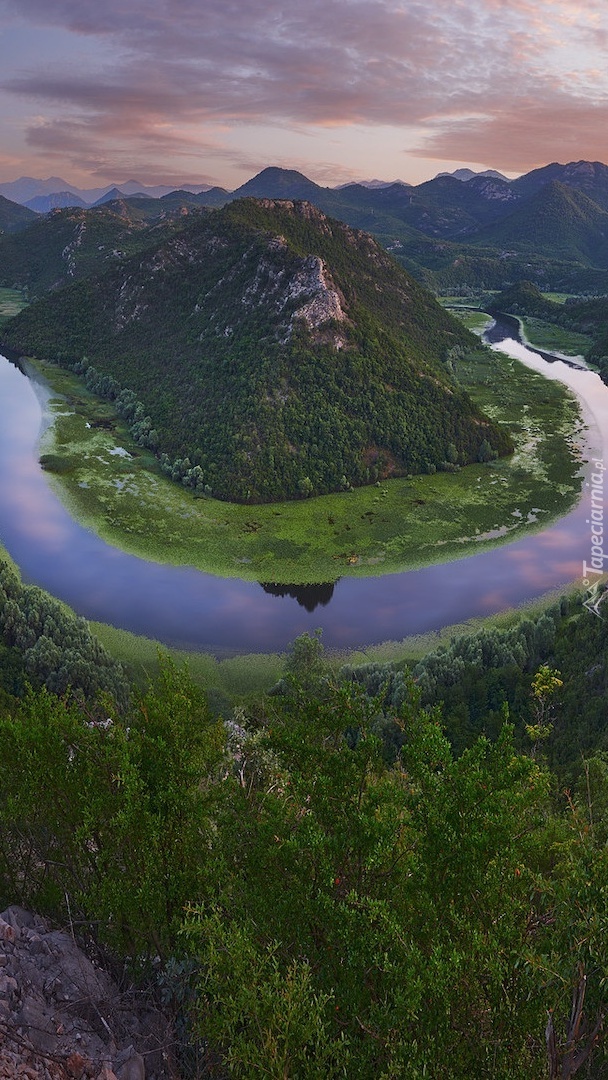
595, 590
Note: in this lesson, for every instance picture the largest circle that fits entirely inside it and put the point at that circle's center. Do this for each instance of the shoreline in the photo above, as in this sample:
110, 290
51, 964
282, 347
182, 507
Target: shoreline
389, 528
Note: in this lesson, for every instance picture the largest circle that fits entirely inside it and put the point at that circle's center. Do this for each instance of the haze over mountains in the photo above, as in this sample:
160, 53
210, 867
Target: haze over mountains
27, 189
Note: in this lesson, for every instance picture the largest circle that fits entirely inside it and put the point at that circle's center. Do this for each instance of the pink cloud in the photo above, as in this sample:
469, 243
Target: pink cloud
478, 79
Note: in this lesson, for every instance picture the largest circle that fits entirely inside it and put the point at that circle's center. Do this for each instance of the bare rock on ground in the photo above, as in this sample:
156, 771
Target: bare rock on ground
63, 1017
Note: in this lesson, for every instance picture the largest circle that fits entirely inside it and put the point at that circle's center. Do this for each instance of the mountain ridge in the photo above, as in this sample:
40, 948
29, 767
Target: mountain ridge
448, 232
276, 353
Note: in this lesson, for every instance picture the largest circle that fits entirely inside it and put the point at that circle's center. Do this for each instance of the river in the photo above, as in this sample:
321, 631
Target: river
183, 607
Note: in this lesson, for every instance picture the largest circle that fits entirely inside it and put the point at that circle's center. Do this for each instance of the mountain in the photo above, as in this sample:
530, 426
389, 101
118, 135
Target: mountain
524, 298
28, 188
274, 353
450, 232
215, 196
373, 185
72, 243
443, 207
59, 200
13, 217
589, 177
558, 220
468, 174
275, 183
156, 191
109, 196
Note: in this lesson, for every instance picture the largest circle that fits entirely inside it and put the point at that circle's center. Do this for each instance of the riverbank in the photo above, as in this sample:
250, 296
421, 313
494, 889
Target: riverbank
246, 674
116, 489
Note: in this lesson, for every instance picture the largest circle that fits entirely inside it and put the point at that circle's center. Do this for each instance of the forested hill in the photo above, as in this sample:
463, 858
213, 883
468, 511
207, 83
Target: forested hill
275, 353
69, 244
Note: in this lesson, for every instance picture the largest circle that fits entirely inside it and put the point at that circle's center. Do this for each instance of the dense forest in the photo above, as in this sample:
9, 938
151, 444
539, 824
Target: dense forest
70, 244
369, 872
269, 352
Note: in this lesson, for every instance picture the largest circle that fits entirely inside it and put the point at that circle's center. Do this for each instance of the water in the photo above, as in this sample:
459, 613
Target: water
183, 607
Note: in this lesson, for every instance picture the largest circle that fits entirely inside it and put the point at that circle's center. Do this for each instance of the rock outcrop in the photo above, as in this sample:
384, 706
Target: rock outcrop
64, 1018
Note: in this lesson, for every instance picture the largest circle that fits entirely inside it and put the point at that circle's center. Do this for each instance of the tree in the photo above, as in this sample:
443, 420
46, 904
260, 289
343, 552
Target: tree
386, 906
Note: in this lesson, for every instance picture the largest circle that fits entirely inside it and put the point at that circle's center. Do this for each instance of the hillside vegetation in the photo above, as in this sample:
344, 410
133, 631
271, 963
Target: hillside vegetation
73, 243
583, 316
269, 352
324, 883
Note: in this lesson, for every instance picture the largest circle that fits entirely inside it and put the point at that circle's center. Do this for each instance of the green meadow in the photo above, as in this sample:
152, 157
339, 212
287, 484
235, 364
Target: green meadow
11, 303
116, 489
547, 335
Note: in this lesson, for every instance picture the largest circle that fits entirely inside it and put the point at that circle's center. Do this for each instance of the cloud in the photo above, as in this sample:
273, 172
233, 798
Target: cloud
522, 134
172, 73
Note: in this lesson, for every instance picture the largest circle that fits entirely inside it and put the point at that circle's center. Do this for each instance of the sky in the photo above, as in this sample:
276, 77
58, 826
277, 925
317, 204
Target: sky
213, 91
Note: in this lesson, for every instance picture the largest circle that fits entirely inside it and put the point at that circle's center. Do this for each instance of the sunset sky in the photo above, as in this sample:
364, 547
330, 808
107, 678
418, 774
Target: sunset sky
212, 91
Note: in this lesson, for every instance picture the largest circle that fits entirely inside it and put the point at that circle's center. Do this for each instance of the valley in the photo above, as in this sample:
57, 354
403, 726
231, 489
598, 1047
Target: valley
104, 462
110, 485
303, 540
205, 612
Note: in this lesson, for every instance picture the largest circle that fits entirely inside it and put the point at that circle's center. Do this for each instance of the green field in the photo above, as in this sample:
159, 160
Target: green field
547, 335
116, 489
11, 303
477, 321
558, 297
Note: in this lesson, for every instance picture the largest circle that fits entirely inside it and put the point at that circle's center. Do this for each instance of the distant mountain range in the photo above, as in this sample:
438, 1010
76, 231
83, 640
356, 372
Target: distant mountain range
45, 195
468, 174
454, 232
28, 188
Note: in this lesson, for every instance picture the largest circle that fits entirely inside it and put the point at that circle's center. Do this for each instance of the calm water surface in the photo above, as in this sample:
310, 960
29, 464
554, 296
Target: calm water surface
181, 606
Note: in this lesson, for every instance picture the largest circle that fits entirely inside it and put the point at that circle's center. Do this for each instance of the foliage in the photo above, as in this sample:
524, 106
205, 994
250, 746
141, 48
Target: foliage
370, 904
110, 814
73, 243
477, 676
200, 342
13, 217
54, 648
335, 911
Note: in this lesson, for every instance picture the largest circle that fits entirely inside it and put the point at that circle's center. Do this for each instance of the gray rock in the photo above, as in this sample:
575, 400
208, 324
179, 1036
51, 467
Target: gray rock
55, 1000
132, 1069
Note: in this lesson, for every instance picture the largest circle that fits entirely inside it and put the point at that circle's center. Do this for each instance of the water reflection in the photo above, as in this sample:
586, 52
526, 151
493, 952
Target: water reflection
308, 596
507, 327
181, 606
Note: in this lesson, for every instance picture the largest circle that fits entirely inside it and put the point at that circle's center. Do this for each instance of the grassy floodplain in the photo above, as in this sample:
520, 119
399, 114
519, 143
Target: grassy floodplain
238, 677
116, 489
547, 335
12, 302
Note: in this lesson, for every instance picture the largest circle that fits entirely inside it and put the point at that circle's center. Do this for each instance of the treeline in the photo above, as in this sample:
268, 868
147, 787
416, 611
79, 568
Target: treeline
44, 644
240, 400
480, 678
370, 872
587, 315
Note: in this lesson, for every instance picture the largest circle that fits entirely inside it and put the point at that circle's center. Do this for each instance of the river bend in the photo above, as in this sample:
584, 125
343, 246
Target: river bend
186, 608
